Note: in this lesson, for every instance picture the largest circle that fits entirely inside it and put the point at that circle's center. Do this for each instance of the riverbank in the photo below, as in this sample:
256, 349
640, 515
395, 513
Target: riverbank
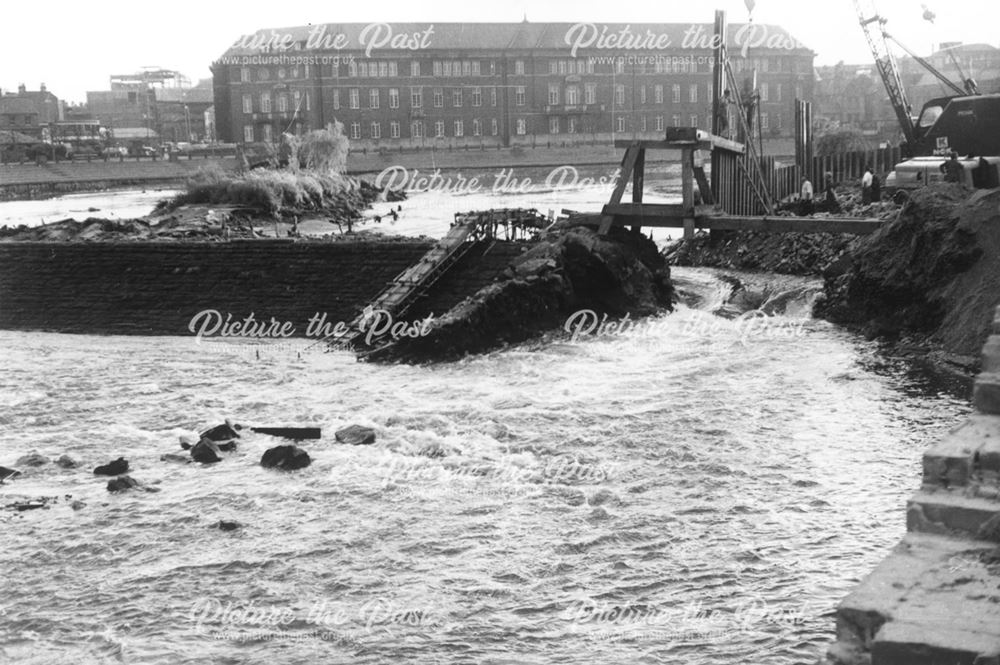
33, 181
925, 283
39, 181
936, 598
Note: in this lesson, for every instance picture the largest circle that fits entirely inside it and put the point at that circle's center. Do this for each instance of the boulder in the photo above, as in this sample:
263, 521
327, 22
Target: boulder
122, 484
206, 452
288, 458
34, 458
227, 525
115, 468
171, 457
224, 432
67, 462
356, 435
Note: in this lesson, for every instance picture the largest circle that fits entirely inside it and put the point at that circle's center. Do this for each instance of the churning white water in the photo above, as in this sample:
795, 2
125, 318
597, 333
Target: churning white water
691, 491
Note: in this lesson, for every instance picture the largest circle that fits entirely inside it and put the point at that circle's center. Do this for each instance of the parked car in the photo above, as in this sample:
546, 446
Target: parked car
142, 151
115, 151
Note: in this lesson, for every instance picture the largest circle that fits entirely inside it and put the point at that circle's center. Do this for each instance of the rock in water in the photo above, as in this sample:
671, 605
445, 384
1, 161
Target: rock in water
115, 468
34, 458
171, 457
6, 473
67, 462
227, 525
206, 452
122, 483
285, 457
356, 435
224, 432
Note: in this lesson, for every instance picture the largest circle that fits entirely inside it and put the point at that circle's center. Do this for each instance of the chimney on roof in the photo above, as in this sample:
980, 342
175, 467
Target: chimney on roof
21, 89
41, 87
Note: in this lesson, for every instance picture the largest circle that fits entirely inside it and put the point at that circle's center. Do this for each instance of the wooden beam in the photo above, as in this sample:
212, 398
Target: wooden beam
703, 186
628, 163
687, 191
736, 223
638, 176
644, 209
705, 142
791, 224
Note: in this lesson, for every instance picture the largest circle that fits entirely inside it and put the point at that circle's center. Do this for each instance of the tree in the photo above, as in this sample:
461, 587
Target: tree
841, 140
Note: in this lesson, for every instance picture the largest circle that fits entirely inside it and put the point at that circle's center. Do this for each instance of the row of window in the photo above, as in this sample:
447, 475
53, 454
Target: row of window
571, 95
556, 124
645, 64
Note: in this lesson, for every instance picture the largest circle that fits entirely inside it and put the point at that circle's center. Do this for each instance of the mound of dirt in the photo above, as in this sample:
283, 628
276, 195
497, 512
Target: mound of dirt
566, 272
933, 272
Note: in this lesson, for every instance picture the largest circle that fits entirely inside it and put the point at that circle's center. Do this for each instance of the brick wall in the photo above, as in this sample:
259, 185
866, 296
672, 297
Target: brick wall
156, 288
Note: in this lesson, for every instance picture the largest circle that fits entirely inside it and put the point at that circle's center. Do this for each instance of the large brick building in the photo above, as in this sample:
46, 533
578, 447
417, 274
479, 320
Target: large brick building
496, 84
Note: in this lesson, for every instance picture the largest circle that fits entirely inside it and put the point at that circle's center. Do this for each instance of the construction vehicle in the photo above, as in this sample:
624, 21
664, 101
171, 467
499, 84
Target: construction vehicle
966, 123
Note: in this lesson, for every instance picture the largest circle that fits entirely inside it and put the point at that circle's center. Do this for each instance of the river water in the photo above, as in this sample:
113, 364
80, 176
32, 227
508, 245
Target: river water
691, 491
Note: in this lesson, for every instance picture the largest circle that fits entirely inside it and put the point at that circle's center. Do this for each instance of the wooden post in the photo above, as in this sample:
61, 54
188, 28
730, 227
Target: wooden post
720, 112
687, 191
628, 162
638, 175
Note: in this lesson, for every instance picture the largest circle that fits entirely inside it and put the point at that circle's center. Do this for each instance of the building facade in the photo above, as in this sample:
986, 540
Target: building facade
180, 113
852, 97
151, 103
425, 85
30, 112
956, 61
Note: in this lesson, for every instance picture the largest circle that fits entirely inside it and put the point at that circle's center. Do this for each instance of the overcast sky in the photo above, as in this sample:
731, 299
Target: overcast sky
74, 46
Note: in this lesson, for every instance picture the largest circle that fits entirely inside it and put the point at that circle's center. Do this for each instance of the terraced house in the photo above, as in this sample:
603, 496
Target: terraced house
497, 83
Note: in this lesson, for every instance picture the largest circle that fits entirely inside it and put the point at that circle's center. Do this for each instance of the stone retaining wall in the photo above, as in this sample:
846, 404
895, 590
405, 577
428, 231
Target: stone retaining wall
155, 288
936, 599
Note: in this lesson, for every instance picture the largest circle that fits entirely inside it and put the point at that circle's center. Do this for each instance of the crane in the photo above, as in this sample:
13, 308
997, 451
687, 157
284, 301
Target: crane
878, 38
885, 61
965, 123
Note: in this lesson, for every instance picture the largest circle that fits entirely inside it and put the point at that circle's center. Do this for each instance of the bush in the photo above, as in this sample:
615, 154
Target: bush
840, 141
324, 150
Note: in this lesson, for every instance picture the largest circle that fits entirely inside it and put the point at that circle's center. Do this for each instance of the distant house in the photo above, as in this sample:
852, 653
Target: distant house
29, 111
853, 97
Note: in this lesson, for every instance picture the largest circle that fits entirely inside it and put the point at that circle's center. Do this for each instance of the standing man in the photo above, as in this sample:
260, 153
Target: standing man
832, 204
866, 186
952, 169
806, 197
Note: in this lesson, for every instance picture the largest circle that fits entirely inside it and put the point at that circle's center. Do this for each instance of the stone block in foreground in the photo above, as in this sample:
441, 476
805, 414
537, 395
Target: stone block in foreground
986, 395
931, 602
936, 599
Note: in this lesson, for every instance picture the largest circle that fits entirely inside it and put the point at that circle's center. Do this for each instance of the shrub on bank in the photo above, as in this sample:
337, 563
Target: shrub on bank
273, 192
312, 178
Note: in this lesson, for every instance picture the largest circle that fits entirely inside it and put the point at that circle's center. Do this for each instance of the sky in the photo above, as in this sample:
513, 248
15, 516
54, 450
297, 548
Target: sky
73, 47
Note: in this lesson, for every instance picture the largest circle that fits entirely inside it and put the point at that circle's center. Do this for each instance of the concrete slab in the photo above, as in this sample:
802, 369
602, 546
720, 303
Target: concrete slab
991, 354
945, 512
986, 395
934, 601
969, 452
